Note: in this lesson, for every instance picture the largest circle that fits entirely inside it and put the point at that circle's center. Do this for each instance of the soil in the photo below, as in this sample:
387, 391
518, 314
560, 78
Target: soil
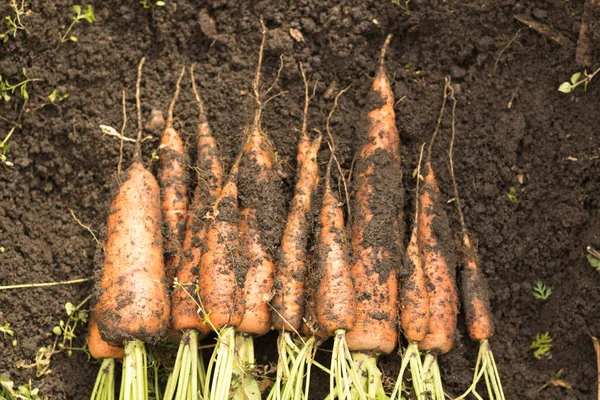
516, 134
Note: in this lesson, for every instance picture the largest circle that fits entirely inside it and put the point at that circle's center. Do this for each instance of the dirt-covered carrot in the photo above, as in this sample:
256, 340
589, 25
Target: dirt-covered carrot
188, 374
295, 352
475, 297
221, 278
414, 306
288, 301
172, 179
104, 387
335, 298
375, 232
133, 305
436, 245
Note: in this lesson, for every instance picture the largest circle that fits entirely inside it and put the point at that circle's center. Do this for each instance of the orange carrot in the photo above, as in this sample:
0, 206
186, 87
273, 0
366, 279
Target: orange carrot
133, 304
172, 179
184, 309
375, 233
435, 243
335, 296
436, 246
291, 268
222, 267
99, 348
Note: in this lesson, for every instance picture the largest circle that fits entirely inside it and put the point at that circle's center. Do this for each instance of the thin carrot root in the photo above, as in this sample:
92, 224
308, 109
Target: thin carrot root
432, 377
485, 368
134, 381
411, 359
219, 373
245, 385
104, 388
189, 373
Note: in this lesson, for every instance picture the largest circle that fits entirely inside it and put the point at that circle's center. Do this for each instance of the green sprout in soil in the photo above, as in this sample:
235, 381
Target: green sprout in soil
7, 89
4, 147
65, 333
56, 96
79, 16
541, 291
8, 333
576, 80
541, 345
23, 392
148, 4
512, 195
593, 258
14, 23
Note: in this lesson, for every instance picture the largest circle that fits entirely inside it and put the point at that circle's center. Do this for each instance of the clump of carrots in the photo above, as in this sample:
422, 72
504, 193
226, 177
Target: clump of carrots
238, 277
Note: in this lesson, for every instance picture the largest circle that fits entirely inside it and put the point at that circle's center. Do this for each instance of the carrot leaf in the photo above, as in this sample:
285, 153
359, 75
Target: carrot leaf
541, 345
541, 291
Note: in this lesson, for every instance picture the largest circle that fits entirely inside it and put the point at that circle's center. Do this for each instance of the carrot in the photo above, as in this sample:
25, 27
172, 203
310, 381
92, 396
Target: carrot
414, 305
375, 205
172, 179
335, 298
435, 243
132, 305
222, 272
97, 347
288, 302
289, 298
475, 296
188, 373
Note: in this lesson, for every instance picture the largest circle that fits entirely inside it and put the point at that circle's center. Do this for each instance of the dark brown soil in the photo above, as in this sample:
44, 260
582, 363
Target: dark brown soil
515, 130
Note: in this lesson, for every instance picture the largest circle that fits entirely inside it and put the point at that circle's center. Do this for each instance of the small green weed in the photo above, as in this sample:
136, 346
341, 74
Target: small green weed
4, 147
541, 345
7, 332
23, 392
7, 89
576, 80
14, 23
593, 258
87, 15
541, 291
512, 195
65, 333
56, 96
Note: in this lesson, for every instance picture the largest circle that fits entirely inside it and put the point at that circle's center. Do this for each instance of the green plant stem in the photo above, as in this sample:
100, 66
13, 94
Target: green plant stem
245, 386
485, 368
47, 284
432, 377
134, 384
220, 367
104, 388
411, 359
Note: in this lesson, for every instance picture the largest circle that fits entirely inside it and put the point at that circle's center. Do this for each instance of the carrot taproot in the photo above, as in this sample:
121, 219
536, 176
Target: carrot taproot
262, 205
189, 375
375, 230
436, 246
335, 296
132, 305
172, 178
475, 294
414, 305
222, 266
184, 311
438, 260
289, 299
299, 333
